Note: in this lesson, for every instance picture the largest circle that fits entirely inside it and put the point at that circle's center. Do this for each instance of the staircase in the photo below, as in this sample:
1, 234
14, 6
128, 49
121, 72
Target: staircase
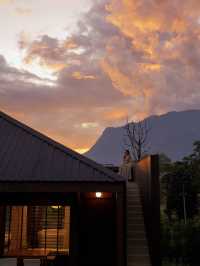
137, 247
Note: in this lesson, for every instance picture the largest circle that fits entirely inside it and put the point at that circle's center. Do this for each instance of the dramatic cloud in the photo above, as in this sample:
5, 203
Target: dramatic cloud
23, 11
125, 58
161, 66
3, 2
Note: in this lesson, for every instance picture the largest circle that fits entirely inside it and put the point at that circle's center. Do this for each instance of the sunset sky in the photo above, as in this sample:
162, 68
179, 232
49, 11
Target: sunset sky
70, 68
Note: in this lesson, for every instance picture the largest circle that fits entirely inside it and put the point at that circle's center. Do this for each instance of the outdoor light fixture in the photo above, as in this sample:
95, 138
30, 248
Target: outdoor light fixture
98, 194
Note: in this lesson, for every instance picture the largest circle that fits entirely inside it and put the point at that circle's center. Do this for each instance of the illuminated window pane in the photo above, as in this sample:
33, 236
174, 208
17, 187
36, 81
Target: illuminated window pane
37, 230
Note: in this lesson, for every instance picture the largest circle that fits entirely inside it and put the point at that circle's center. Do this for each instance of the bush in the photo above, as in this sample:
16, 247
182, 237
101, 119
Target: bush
180, 242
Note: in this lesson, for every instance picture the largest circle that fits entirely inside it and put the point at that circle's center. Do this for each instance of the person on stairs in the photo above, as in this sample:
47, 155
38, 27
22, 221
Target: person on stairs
127, 167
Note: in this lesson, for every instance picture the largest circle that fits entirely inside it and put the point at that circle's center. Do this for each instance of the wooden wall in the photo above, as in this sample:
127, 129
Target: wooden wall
2, 228
97, 228
147, 177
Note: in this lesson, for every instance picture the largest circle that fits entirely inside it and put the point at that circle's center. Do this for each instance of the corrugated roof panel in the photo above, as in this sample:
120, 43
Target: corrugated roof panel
30, 157
22, 153
7, 135
86, 172
27, 155
45, 161
57, 164
33, 160
9, 154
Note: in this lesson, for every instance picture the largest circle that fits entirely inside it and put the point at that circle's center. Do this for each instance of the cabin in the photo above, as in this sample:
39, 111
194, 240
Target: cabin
58, 207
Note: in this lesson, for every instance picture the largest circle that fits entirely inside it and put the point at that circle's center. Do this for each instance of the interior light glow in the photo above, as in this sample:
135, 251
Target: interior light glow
98, 194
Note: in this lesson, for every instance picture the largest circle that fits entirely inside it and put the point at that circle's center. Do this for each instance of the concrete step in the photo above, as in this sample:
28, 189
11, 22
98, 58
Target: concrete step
132, 212
8, 262
134, 200
135, 207
132, 232
133, 204
138, 242
136, 234
32, 262
133, 197
139, 259
138, 217
137, 246
142, 250
135, 220
136, 227
137, 264
141, 264
133, 192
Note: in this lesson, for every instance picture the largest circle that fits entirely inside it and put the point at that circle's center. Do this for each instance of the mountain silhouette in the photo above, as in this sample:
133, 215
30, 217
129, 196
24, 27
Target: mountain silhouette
172, 133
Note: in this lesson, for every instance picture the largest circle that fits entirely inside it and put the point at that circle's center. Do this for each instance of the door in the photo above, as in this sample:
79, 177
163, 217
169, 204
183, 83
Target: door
97, 231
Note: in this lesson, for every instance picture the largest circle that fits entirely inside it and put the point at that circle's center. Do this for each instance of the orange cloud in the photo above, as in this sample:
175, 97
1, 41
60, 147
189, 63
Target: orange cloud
150, 67
78, 75
69, 44
139, 16
116, 114
120, 81
55, 67
3, 2
47, 52
23, 11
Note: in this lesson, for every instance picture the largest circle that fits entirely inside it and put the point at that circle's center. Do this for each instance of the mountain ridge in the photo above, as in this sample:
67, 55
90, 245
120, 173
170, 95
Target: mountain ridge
172, 133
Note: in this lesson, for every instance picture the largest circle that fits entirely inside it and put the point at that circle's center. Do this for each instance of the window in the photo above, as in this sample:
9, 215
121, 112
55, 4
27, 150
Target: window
37, 230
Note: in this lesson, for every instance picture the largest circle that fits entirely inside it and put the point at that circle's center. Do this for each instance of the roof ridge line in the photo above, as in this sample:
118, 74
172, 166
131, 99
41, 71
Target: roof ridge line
60, 146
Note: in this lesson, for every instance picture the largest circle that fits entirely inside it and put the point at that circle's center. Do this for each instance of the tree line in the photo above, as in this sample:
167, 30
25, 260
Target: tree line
180, 221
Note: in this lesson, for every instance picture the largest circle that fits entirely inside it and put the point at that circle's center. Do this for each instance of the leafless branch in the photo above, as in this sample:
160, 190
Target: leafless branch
136, 138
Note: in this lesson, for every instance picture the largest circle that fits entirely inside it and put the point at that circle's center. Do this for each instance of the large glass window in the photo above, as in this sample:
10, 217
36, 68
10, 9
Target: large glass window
37, 230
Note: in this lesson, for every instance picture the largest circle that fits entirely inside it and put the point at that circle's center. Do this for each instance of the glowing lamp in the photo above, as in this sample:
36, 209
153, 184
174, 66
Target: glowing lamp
98, 194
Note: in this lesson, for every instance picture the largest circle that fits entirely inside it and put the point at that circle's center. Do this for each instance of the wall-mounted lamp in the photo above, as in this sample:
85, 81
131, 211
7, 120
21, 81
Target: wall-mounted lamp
98, 195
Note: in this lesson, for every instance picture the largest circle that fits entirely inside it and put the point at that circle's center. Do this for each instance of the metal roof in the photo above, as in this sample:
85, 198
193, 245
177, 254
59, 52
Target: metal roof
27, 155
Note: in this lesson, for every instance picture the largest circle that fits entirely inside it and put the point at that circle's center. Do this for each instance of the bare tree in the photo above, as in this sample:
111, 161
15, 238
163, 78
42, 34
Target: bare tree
136, 138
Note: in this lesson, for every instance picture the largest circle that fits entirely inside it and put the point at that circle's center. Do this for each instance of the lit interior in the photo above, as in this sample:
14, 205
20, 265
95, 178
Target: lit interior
37, 230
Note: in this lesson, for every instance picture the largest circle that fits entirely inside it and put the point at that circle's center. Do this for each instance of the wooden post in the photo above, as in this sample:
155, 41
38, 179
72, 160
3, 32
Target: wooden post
43, 261
155, 207
147, 177
24, 229
66, 226
2, 229
73, 245
120, 230
16, 230
20, 261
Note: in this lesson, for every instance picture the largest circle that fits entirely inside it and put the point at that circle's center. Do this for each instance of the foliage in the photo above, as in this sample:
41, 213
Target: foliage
180, 185
180, 188
165, 163
165, 166
180, 242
